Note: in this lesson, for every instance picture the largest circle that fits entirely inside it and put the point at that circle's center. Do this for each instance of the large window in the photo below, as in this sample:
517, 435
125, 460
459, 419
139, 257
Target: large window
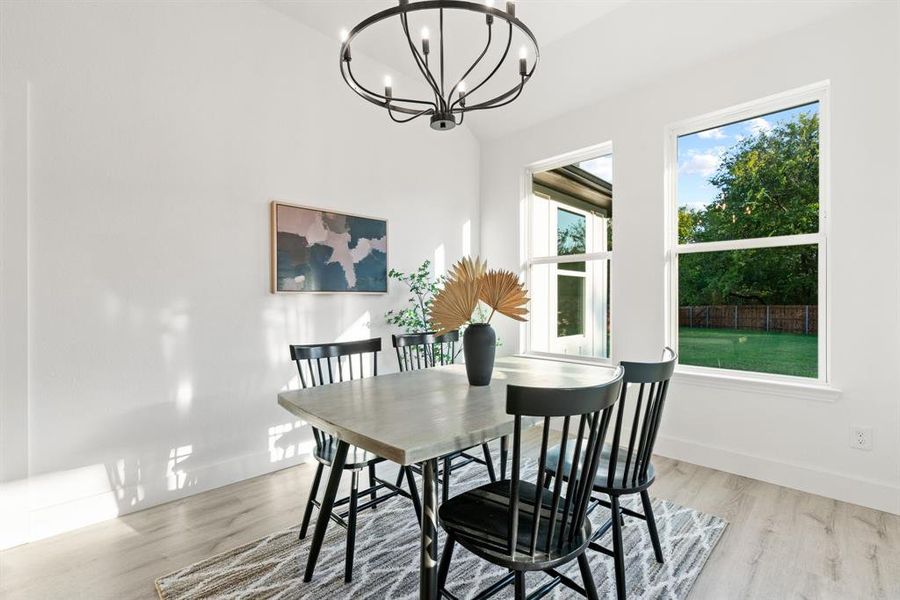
748, 259
569, 252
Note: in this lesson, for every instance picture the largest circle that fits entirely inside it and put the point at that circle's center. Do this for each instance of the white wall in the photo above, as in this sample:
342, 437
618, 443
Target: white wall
790, 440
141, 350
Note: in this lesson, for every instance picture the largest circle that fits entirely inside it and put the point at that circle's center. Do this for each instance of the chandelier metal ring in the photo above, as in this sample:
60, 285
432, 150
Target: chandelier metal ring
442, 108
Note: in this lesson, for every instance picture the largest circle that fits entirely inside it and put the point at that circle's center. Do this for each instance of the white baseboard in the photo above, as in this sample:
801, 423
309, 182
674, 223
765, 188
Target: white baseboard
50, 504
814, 480
807, 478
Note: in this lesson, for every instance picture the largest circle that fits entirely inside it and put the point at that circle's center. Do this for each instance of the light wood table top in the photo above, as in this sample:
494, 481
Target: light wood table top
418, 415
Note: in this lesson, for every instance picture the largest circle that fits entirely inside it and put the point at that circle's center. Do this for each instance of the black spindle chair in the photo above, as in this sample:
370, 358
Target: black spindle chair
625, 469
422, 351
525, 526
324, 364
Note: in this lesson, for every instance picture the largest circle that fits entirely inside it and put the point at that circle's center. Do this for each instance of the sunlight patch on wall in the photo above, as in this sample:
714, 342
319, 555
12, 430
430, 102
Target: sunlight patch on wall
174, 321
359, 330
184, 395
440, 261
287, 323
127, 492
176, 476
46, 505
281, 441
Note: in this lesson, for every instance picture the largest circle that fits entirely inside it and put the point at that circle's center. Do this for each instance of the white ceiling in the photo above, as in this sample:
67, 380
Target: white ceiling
589, 48
549, 19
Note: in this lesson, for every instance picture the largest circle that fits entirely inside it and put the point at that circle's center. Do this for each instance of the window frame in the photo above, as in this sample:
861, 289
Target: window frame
818, 92
529, 260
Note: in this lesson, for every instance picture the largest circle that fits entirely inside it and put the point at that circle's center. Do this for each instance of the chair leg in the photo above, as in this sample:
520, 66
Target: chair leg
445, 485
587, 576
444, 567
400, 475
317, 479
489, 462
373, 494
351, 527
504, 450
618, 549
548, 479
326, 507
651, 525
414, 492
520, 585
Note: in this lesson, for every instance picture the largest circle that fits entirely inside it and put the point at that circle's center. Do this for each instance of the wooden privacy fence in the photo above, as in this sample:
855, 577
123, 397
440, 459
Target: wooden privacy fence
799, 318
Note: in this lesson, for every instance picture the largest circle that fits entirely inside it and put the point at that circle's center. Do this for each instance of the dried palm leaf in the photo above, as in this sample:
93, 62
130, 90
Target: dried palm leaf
504, 293
453, 305
468, 269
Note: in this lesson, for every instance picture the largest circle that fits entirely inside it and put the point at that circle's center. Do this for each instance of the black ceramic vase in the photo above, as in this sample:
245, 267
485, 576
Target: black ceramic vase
479, 346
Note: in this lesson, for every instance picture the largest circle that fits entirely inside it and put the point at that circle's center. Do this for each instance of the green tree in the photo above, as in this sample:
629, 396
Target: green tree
768, 186
687, 224
570, 238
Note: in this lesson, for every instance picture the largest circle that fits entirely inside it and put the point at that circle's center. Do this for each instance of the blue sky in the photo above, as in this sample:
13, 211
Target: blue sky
699, 153
600, 167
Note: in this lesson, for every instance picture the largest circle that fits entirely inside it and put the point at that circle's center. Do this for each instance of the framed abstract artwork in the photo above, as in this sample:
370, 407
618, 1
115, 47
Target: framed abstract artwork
320, 251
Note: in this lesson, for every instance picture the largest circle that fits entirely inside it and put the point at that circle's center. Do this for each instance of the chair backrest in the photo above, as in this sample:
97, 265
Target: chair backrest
423, 350
592, 407
310, 357
652, 378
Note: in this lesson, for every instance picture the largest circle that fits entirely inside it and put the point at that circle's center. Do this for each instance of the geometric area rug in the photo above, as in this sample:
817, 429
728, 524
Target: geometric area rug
386, 565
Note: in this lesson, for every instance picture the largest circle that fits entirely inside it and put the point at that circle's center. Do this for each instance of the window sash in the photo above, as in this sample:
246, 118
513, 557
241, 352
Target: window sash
593, 324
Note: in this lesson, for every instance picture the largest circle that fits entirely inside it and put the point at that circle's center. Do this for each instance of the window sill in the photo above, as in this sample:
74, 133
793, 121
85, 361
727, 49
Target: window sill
568, 358
819, 392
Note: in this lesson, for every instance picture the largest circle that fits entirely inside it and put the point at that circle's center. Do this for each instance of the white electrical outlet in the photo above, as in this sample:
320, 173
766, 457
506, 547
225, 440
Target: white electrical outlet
861, 437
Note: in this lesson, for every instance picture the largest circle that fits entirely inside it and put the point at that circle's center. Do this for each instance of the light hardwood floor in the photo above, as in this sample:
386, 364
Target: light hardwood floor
780, 543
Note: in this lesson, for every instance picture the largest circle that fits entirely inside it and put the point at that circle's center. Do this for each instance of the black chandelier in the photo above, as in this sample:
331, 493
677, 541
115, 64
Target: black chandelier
446, 103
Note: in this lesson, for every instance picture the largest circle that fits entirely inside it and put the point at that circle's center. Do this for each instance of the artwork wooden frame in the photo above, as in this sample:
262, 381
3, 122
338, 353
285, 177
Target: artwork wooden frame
320, 251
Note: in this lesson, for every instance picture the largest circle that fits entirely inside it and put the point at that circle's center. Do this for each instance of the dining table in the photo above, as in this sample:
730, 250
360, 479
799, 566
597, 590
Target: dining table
416, 417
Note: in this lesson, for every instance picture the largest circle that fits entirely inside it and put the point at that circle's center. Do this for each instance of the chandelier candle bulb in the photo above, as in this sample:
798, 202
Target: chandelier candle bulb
462, 93
344, 35
426, 43
511, 8
388, 91
523, 61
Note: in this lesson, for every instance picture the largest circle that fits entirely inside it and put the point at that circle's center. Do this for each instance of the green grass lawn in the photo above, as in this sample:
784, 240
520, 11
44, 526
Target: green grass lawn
747, 350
